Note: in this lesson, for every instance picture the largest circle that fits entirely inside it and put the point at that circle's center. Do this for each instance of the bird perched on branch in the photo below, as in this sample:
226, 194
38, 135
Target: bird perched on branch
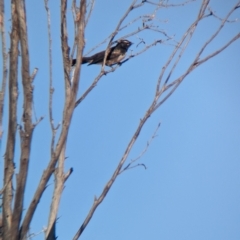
115, 55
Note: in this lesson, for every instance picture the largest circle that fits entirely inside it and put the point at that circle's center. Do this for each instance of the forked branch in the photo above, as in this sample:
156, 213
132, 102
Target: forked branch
71, 92
156, 103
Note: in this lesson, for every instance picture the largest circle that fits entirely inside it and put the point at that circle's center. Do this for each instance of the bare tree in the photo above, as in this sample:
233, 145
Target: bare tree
15, 221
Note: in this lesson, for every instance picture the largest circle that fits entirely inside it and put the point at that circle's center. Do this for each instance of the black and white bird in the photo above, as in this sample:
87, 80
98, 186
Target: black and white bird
115, 55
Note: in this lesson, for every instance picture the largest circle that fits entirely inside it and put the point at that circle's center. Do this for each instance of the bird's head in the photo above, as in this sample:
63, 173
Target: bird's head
124, 43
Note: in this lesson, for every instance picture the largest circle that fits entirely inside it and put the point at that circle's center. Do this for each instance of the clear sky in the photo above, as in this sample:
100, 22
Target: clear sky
191, 187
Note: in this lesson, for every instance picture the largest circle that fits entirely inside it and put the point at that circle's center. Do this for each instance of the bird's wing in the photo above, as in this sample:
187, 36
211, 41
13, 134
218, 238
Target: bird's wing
96, 58
113, 53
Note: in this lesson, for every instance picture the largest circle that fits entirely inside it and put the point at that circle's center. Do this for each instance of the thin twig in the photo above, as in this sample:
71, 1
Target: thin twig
143, 50
169, 5
145, 18
190, 30
219, 18
217, 31
104, 72
196, 62
130, 165
237, 36
115, 32
96, 80
92, 2
51, 89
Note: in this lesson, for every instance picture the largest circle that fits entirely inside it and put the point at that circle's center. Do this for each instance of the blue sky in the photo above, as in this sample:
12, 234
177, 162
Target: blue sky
190, 189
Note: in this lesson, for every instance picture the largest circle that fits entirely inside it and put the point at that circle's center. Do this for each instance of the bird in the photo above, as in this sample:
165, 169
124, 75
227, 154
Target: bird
115, 55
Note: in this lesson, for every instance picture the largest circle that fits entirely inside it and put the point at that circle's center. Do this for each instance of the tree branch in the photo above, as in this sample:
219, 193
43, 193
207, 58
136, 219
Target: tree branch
68, 110
4, 66
153, 107
26, 133
97, 201
130, 165
12, 125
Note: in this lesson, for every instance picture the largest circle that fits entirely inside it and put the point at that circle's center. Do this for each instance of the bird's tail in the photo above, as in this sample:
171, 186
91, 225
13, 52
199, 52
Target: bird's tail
84, 60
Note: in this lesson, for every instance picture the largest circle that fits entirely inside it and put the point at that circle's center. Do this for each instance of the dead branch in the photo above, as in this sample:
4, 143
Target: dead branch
149, 17
68, 108
26, 137
196, 62
155, 103
131, 7
109, 184
174, 85
217, 31
91, 6
32, 235
58, 188
111, 37
93, 85
169, 5
143, 50
190, 31
51, 89
4, 66
237, 36
76, 15
12, 218
12, 125
219, 18
59, 171
64, 41
96, 80
130, 165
